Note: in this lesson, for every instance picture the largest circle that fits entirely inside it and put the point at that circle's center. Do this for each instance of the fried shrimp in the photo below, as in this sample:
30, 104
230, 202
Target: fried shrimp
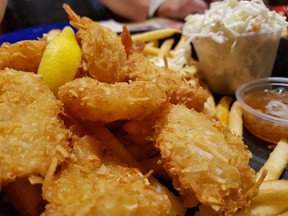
178, 90
92, 100
205, 160
103, 52
100, 185
24, 55
111, 59
32, 135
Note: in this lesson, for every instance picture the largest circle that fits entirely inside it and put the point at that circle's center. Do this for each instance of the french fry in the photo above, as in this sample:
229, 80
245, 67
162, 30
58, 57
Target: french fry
155, 35
262, 210
222, 109
272, 199
276, 162
235, 121
180, 43
210, 106
166, 47
273, 191
151, 51
152, 43
188, 71
164, 50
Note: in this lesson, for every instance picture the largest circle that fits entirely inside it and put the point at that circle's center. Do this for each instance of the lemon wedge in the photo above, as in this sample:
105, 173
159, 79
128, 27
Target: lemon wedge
60, 60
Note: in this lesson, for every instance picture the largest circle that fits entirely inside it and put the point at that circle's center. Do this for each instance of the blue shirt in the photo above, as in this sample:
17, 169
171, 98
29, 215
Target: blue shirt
26, 13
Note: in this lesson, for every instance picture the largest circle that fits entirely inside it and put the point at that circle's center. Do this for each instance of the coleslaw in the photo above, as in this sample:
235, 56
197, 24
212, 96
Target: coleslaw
235, 42
227, 19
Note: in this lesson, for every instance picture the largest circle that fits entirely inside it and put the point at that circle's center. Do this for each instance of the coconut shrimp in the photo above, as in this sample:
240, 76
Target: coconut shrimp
92, 100
24, 55
95, 184
205, 160
103, 52
108, 60
32, 135
178, 89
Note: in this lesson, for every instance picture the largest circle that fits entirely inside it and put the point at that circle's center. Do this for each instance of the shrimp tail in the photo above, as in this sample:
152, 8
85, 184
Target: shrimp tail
76, 20
71, 14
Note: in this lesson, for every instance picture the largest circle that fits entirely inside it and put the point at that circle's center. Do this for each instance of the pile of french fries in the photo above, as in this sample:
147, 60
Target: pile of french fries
272, 198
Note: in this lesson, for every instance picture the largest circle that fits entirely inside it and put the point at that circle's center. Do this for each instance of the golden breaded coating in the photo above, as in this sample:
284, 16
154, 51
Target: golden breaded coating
102, 50
31, 135
95, 101
205, 159
23, 55
107, 60
92, 184
178, 90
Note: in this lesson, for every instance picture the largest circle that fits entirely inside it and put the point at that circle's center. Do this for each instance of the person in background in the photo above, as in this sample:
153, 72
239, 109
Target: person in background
3, 5
140, 10
26, 13
179, 9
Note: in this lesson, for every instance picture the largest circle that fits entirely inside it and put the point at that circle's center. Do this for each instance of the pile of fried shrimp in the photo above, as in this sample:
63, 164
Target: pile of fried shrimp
124, 137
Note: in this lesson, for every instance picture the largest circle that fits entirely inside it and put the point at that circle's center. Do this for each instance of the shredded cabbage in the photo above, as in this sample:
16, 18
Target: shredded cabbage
235, 40
229, 18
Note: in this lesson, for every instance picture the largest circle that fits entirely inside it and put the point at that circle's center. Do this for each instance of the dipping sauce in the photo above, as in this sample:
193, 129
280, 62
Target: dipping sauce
270, 102
272, 108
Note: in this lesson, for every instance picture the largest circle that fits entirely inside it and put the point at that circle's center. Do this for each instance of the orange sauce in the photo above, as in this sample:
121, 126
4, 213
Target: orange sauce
270, 102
